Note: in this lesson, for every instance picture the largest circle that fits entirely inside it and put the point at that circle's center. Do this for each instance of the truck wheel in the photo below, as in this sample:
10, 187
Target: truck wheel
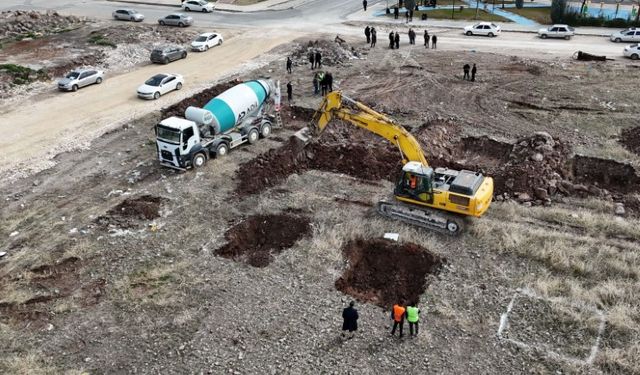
266, 130
222, 150
253, 136
198, 160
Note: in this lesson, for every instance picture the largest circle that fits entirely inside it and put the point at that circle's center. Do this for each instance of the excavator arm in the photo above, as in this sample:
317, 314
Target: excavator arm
368, 119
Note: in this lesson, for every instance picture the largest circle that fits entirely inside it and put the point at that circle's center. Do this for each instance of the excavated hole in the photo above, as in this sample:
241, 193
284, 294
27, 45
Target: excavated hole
630, 138
129, 212
384, 272
257, 239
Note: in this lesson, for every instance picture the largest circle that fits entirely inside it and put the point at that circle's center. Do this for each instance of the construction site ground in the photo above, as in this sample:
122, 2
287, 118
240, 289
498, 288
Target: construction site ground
115, 264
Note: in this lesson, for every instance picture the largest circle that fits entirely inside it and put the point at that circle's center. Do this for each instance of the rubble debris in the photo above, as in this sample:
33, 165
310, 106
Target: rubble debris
384, 272
20, 24
619, 209
256, 239
333, 52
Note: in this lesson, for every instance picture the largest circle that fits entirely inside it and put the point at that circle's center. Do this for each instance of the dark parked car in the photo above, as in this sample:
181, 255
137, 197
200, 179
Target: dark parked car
168, 54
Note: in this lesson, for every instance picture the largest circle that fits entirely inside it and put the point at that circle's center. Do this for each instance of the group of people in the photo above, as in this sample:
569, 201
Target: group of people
394, 38
372, 36
315, 58
466, 75
322, 83
398, 314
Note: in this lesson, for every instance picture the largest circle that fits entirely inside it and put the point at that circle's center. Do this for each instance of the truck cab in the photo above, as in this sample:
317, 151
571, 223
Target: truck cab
178, 141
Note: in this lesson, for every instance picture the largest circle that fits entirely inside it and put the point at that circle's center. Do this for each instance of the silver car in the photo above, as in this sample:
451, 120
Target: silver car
128, 15
80, 78
176, 19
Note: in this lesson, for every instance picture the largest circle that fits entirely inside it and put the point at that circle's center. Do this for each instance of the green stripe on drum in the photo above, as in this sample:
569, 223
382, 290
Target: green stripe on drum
260, 91
222, 112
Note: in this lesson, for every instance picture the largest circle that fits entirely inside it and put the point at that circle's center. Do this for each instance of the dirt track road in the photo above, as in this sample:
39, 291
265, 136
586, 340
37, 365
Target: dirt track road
35, 133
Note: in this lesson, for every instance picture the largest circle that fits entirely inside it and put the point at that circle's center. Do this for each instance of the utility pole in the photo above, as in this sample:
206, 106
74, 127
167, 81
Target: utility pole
477, 5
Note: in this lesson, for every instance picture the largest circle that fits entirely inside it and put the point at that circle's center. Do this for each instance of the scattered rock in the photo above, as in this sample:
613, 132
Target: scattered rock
619, 209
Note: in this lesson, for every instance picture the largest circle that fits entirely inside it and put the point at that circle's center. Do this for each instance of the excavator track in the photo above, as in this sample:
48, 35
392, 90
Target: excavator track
424, 217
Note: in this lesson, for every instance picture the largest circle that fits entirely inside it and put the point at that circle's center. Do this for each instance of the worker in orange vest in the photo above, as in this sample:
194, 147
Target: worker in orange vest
397, 314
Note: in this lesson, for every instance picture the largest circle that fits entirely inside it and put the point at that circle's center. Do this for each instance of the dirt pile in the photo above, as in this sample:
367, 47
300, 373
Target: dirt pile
197, 100
131, 211
20, 24
140, 33
257, 239
384, 272
355, 159
333, 52
630, 138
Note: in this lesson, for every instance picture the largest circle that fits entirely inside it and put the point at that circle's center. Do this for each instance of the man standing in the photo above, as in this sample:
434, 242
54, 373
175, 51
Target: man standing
318, 59
374, 37
289, 92
397, 315
466, 68
391, 40
316, 83
349, 320
397, 40
426, 39
364, 5
434, 40
329, 77
396, 12
473, 73
323, 83
311, 60
413, 315
289, 64
367, 33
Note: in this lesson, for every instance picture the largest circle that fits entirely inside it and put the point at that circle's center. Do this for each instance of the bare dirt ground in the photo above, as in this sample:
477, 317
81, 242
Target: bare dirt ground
115, 264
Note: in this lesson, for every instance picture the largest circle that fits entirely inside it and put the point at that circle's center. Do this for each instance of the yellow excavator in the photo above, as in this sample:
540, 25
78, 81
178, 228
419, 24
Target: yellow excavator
437, 199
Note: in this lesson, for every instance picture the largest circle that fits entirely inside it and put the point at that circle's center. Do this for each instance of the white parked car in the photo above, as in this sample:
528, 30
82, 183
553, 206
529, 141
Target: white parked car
557, 31
160, 84
628, 35
482, 28
80, 78
128, 15
205, 41
197, 6
632, 51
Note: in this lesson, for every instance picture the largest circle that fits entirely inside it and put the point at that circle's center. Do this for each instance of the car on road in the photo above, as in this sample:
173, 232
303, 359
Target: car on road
128, 15
159, 85
482, 28
628, 35
164, 55
632, 51
205, 41
80, 78
176, 19
557, 31
197, 6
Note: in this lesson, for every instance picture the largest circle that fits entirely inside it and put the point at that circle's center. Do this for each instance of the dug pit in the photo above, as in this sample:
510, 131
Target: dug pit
257, 239
384, 272
131, 211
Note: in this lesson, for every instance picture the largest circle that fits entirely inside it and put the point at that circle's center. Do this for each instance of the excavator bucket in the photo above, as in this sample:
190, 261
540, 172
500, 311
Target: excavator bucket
305, 135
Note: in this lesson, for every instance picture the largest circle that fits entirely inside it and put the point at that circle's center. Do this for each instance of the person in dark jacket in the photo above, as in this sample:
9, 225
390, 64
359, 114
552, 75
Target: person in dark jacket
391, 40
374, 37
465, 69
289, 92
473, 73
312, 60
396, 12
289, 65
329, 77
367, 33
318, 59
434, 40
426, 39
364, 5
349, 320
397, 40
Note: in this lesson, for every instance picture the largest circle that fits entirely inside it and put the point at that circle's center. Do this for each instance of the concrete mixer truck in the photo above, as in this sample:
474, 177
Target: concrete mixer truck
235, 117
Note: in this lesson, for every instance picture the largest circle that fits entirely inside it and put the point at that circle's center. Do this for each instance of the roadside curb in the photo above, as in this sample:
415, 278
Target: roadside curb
179, 7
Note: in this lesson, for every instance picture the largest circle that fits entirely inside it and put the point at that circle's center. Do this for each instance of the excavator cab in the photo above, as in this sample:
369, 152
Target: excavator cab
416, 182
